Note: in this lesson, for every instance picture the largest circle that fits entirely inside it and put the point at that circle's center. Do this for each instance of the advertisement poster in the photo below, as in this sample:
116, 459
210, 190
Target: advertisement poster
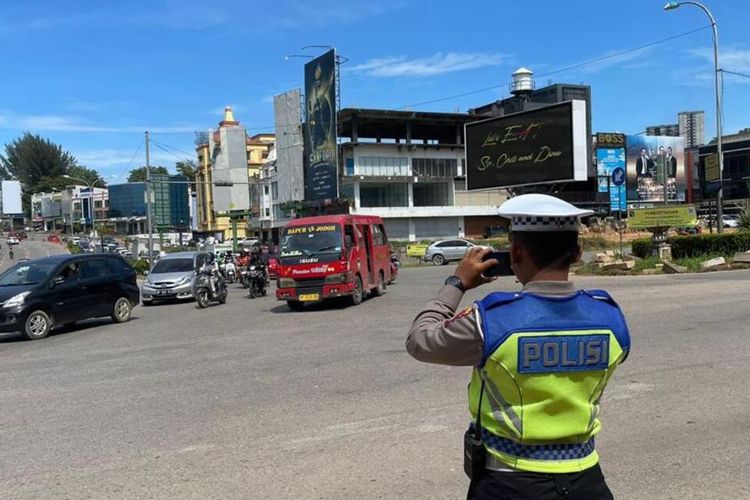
321, 172
532, 147
607, 160
11, 197
674, 216
656, 169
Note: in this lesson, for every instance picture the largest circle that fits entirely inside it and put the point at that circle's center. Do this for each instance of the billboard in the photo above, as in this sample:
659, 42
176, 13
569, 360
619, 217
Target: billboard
608, 161
289, 145
540, 146
11, 192
672, 216
656, 168
321, 167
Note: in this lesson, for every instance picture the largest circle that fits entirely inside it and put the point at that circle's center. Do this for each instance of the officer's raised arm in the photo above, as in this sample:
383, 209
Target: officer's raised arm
438, 334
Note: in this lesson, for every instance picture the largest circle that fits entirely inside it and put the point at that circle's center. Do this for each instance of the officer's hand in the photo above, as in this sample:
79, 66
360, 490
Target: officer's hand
471, 268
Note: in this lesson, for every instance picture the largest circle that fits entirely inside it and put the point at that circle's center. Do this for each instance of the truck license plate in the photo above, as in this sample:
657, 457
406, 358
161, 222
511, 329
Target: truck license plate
309, 297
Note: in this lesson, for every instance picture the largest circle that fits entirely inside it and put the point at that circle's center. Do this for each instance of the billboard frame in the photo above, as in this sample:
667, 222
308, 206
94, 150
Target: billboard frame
578, 143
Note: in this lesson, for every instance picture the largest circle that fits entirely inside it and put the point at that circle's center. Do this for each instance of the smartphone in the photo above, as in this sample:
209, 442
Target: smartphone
503, 266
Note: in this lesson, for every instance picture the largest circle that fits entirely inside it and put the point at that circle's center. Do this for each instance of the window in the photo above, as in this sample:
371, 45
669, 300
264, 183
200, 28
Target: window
382, 166
431, 194
94, 268
393, 194
268, 212
117, 266
435, 167
97, 203
69, 273
265, 189
349, 234
274, 190
377, 235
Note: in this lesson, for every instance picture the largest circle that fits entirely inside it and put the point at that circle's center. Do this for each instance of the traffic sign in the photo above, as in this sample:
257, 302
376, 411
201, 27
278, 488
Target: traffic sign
618, 176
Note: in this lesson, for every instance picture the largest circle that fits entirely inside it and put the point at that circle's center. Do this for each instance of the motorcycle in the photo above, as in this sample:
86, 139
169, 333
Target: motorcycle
256, 280
203, 292
395, 264
230, 272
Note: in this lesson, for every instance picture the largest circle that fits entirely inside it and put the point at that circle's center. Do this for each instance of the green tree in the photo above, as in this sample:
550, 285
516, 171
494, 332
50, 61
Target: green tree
139, 174
87, 174
30, 158
187, 169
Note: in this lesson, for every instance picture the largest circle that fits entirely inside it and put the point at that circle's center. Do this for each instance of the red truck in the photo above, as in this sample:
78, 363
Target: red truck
332, 256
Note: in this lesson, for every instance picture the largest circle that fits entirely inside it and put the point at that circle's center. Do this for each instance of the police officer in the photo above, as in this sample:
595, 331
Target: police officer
541, 356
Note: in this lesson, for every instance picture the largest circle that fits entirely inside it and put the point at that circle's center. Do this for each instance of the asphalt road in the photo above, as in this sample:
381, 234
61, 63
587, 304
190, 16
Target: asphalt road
248, 400
27, 249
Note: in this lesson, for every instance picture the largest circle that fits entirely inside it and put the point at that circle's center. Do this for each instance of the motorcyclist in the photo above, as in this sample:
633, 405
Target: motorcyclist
257, 259
211, 268
243, 259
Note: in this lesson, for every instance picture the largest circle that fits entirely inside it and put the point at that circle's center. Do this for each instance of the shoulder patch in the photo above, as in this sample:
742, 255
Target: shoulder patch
462, 314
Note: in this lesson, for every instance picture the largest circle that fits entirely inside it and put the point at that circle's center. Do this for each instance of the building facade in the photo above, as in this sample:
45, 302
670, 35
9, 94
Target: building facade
170, 205
691, 126
232, 158
671, 130
408, 167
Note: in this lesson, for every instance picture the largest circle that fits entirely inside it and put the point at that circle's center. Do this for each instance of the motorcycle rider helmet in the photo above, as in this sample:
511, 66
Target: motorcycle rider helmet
255, 251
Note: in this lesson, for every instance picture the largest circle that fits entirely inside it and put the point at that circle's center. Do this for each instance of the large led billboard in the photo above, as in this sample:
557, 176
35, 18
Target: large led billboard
321, 171
540, 146
656, 169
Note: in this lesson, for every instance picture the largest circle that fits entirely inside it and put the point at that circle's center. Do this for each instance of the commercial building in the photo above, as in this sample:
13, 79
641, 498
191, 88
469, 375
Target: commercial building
71, 209
229, 157
525, 97
691, 126
46, 211
170, 205
282, 177
736, 153
408, 167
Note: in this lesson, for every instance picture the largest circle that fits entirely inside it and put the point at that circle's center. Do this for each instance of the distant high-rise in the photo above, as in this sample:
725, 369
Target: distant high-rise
691, 125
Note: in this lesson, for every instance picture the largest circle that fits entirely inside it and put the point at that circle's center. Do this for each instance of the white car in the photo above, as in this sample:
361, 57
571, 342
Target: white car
13, 240
729, 221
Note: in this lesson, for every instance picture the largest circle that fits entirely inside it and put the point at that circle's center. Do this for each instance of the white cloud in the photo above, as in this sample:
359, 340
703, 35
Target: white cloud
64, 123
436, 64
731, 58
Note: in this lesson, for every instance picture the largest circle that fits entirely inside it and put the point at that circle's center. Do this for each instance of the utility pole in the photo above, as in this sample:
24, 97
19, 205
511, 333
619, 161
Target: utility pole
148, 205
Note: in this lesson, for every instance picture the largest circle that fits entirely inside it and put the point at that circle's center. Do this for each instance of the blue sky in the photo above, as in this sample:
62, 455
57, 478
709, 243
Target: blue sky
93, 75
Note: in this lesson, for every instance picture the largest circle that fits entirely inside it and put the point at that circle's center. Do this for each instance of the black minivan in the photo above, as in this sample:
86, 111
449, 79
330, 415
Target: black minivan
41, 294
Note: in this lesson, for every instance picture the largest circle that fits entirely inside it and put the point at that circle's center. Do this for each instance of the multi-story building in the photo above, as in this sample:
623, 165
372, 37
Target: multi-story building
408, 167
671, 130
691, 125
282, 177
229, 157
170, 205
46, 210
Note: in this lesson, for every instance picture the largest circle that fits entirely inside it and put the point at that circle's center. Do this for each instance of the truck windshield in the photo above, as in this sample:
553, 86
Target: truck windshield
313, 243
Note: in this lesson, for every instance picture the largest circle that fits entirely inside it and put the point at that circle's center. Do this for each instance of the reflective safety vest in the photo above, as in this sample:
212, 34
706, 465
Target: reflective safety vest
545, 364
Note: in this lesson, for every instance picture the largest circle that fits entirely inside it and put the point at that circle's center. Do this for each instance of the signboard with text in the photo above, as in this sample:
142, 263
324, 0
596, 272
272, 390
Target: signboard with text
321, 167
712, 167
608, 161
668, 216
540, 146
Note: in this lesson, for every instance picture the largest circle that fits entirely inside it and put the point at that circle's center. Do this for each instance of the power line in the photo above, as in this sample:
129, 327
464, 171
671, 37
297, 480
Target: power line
735, 73
130, 163
565, 68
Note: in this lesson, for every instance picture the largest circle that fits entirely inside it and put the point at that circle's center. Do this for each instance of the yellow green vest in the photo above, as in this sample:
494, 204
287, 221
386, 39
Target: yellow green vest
545, 365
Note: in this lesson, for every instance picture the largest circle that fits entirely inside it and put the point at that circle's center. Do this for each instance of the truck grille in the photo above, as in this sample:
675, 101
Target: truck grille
309, 285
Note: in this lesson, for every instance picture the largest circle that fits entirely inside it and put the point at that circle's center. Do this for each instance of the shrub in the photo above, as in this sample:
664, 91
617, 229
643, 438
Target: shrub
641, 247
698, 245
744, 220
73, 248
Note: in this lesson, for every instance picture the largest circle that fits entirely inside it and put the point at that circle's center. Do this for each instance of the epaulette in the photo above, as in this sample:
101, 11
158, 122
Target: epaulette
499, 298
601, 295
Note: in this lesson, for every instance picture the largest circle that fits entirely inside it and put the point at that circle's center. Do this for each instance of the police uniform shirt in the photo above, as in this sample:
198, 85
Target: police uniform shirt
439, 335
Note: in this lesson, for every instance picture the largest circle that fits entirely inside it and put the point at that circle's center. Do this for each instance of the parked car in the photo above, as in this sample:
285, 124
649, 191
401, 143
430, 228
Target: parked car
730, 221
43, 294
443, 251
170, 278
53, 238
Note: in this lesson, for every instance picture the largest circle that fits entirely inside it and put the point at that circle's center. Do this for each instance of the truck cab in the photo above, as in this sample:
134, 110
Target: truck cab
332, 256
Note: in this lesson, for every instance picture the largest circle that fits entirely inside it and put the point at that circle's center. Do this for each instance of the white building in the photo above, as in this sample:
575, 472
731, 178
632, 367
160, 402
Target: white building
408, 167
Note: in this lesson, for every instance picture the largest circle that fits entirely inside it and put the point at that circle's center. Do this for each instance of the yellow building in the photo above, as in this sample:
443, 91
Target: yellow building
257, 148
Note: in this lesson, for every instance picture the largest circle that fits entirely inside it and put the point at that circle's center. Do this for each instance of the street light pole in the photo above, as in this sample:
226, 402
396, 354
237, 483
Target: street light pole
148, 205
717, 92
